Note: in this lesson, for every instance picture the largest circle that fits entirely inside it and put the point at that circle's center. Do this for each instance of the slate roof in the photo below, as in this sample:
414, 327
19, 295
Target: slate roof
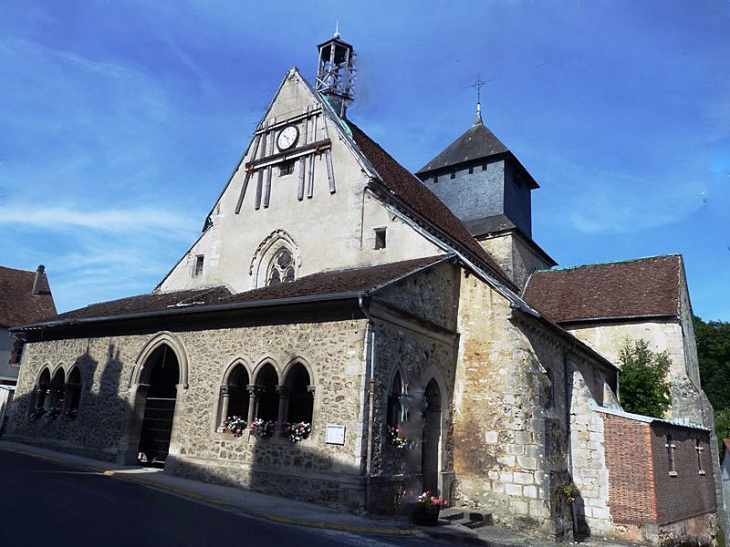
17, 302
476, 143
647, 287
316, 286
406, 186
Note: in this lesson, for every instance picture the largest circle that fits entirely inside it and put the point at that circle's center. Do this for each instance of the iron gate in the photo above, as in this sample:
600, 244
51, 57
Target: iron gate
154, 441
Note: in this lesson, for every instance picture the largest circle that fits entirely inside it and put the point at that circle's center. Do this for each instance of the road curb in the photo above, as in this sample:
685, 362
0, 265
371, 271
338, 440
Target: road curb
114, 473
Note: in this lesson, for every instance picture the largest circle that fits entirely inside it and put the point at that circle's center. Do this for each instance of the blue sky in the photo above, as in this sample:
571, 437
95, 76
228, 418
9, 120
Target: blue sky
121, 122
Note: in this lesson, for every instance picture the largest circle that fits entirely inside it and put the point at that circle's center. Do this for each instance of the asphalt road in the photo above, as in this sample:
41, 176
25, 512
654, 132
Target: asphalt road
47, 504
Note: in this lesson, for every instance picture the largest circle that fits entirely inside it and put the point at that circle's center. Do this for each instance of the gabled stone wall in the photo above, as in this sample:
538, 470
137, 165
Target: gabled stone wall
509, 420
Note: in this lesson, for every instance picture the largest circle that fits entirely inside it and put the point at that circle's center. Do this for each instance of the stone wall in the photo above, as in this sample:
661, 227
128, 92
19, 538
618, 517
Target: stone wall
588, 457
419, 354
334, 353
509, 436
234, 244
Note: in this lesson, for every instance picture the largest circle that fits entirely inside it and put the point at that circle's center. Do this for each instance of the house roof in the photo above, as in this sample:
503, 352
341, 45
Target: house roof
319, 286
409, 189
18, 304
647, 287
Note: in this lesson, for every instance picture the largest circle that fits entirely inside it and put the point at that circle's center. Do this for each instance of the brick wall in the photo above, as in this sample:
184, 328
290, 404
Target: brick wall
690, 489
629, 460
646, 486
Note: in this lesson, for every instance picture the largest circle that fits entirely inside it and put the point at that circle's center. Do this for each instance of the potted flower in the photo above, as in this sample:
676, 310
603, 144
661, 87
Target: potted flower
51, 414
263, 428
235, 425
36, 413
298, 431
70, 415
426, 509
395, 437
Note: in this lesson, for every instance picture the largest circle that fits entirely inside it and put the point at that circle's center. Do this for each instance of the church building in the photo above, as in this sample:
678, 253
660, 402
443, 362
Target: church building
344, 330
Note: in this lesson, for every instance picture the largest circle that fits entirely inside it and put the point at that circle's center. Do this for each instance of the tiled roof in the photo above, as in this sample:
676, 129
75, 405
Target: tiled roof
476, 143
635, 288
318, 285
408, 188
17, 302
150, 302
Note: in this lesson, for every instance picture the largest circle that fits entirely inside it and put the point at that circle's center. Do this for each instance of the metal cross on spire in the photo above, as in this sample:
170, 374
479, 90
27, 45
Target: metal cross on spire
479, 84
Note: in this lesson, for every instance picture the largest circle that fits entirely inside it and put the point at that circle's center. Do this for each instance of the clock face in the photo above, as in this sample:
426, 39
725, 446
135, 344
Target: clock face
287, 137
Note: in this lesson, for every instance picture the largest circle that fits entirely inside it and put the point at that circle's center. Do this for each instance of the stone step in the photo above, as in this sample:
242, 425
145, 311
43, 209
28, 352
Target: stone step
467, 517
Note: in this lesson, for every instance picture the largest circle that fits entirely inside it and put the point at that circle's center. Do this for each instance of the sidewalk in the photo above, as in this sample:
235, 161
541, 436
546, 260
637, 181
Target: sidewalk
289, 511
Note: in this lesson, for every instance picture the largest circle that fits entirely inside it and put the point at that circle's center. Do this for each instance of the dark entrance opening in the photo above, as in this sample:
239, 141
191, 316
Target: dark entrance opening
431, 438
164, 375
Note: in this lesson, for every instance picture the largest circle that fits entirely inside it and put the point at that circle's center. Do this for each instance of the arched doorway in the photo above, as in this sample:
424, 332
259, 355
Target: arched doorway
162, 375
431, 437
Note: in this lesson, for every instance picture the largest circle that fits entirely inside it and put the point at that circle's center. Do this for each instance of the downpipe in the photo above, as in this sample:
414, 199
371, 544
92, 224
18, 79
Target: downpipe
371, 401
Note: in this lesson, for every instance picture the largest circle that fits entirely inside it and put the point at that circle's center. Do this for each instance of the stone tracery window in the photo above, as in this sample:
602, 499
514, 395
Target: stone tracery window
281, 268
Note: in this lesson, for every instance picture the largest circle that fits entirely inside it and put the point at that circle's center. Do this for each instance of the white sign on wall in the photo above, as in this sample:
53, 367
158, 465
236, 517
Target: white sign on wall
335, 434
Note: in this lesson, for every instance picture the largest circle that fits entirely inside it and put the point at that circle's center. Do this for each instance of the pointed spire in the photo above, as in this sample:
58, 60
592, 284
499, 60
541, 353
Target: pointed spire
337, 30
478, 119
479, 84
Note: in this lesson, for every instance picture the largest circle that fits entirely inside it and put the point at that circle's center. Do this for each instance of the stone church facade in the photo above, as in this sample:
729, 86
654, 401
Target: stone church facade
385, 314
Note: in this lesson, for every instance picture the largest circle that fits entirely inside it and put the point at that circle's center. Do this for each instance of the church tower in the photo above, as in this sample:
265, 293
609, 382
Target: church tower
489, 190
336, 73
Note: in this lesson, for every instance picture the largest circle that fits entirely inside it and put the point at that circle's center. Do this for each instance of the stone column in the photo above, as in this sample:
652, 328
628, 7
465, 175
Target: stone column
225, 401
253, 392
283, 392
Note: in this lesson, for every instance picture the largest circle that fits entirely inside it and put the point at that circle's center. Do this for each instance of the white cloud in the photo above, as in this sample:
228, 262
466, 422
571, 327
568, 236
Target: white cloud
602, 201
116, 221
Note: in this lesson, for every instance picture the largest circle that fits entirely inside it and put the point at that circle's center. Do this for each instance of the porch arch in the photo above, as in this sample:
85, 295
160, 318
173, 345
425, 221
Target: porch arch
141, 373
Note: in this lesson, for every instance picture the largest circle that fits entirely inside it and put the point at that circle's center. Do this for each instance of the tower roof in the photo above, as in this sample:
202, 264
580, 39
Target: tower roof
476, 143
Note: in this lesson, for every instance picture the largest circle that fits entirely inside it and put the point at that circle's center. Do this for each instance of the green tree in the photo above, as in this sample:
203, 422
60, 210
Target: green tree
722, 424
643, 381
713, 350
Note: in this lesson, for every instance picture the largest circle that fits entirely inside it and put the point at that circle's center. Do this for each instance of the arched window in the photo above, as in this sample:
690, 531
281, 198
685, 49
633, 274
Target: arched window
238, 392
40, 392
56, 394
267, 398
72, 394
281, 268
235, 398
395, 415
300, 396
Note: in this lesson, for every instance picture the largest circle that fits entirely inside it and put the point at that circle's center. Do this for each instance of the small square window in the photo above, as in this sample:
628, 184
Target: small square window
453, 174
379, 238
286, 168
471, 170
198, 269
435, 179
484, 166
